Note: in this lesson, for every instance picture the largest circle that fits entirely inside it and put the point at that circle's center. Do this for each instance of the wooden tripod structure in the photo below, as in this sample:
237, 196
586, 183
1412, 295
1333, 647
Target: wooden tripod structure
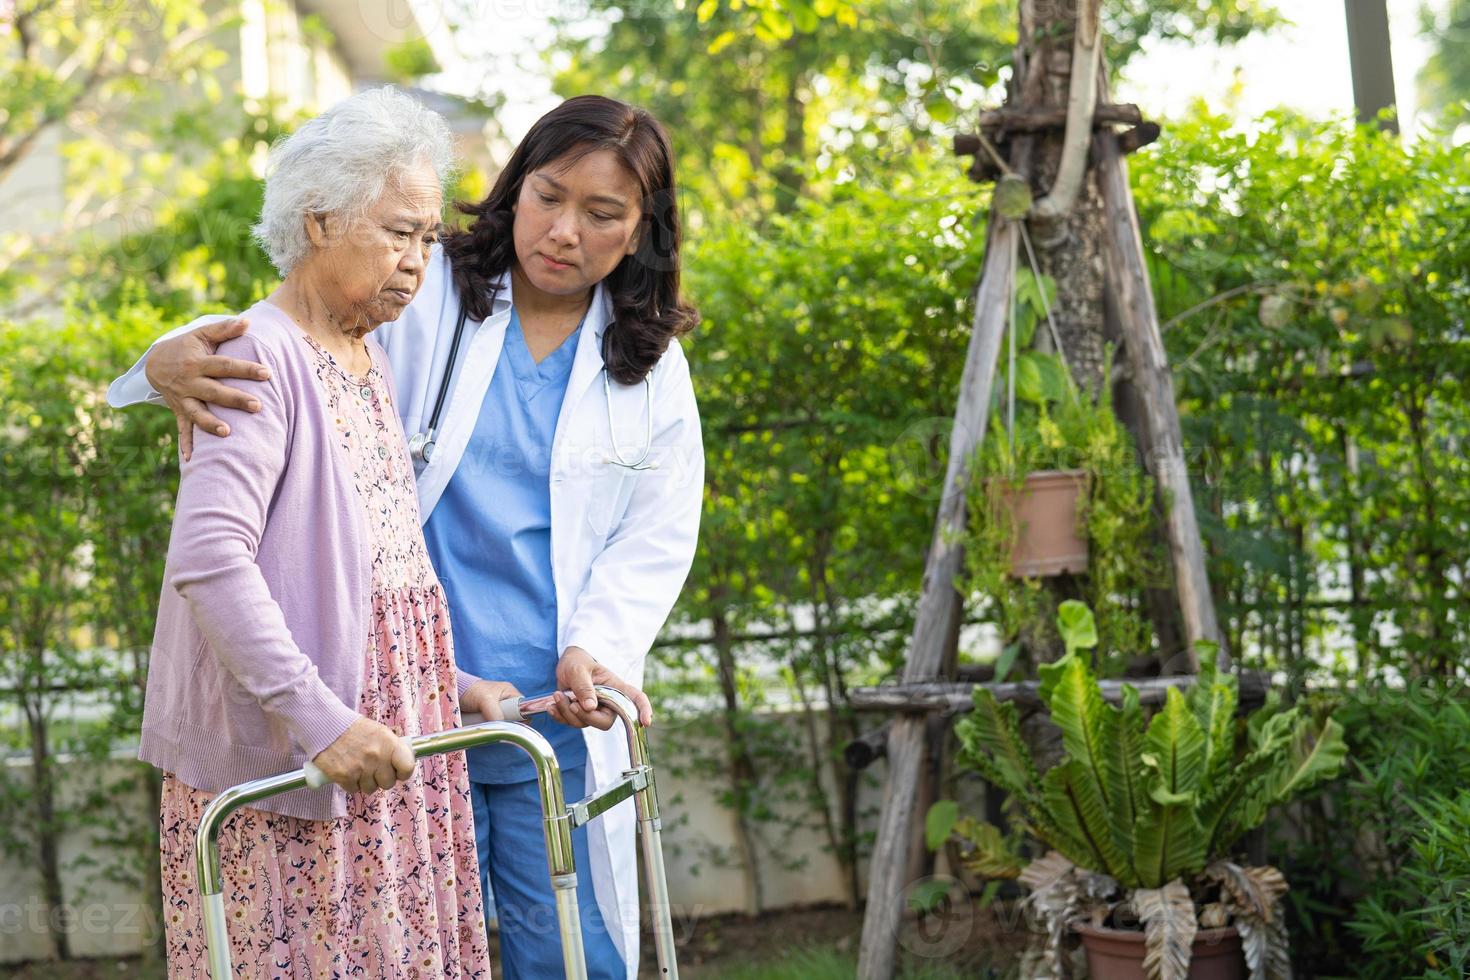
1006, 149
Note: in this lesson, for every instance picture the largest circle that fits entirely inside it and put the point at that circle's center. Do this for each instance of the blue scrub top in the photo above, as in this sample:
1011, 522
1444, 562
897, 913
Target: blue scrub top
489, 538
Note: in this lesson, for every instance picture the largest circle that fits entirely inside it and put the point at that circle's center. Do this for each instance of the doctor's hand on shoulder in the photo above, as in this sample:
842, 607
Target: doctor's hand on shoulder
185, 369
577, 671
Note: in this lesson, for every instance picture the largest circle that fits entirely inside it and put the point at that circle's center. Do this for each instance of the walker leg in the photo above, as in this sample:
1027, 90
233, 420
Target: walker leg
216, 937
569, 921
658, 892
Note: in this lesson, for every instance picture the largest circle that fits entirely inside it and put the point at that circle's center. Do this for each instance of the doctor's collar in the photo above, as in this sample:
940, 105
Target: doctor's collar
599, 311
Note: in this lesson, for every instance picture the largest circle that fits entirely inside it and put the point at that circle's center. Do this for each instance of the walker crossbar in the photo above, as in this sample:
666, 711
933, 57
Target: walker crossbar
558, 820
585, 810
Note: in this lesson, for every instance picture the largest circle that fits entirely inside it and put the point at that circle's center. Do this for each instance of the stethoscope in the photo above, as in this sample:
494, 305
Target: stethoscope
421, 444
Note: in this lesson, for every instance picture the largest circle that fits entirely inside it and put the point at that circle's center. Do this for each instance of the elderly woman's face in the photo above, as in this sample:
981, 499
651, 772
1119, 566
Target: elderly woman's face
574, 224
370, 270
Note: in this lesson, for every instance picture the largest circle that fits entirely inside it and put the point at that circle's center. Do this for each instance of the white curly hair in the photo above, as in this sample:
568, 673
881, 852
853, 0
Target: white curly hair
340, 162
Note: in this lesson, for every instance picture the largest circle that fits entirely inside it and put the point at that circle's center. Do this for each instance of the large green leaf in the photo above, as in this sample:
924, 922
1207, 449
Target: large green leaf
1314, 755
1238, 801
1168, 842
1293, 754
986, 852
1077, 626
1048, 675
1212, 699
939, 821
1040, 378
1070, 797
1174, 750
1089, 732
991, 743
1125, 775
1168, 838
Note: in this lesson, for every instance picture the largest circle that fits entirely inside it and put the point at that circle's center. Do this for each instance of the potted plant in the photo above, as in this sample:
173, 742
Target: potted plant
1034, 475
1139, 817
1060, 491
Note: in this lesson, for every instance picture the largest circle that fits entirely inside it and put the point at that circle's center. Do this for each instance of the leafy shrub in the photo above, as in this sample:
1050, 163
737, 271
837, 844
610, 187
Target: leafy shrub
84, 524
1378, 901
1419, 918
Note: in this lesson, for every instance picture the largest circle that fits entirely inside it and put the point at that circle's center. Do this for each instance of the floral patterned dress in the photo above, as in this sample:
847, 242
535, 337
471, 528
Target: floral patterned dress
393, 888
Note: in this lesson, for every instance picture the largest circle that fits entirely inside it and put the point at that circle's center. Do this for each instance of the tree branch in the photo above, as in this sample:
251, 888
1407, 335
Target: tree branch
1081, 101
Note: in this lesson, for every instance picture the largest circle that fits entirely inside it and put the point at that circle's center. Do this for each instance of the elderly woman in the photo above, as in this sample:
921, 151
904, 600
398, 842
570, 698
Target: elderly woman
301, 618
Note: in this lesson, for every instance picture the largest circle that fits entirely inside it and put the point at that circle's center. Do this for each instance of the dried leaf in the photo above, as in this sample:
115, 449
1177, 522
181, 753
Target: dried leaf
1095, 894
1213, 916
1045, 870
1253, 898
1266, 948
1095, 885
1278, 950
1249, 892
1054, 887
1169, 927
1039, 962
1253, 942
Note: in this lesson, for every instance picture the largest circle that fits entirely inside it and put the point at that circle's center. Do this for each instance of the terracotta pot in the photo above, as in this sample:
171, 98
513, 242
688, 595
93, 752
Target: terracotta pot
1048, 540
1117, 954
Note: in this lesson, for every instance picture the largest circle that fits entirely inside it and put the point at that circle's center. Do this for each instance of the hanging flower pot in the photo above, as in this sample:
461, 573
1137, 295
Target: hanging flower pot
1117, 954
1049, 538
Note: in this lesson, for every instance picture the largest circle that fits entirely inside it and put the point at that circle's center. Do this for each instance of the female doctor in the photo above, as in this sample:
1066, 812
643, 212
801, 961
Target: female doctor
560, 474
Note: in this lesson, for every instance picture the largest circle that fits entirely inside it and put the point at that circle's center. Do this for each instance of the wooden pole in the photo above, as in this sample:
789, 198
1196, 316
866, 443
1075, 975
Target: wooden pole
1139, 322
1371, 57
939, 605
947, 696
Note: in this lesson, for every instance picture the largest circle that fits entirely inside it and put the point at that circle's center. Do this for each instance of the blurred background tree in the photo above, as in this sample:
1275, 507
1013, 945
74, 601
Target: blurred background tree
774, 99
1445, 76
129, 91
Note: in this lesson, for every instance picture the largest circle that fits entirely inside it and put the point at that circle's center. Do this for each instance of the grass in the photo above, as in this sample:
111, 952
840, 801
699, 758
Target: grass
820, 963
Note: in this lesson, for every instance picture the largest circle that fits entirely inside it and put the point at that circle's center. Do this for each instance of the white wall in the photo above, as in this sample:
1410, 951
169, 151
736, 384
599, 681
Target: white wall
102, 917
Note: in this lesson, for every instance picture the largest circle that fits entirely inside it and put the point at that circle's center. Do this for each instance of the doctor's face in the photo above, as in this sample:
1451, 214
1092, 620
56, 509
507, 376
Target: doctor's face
575, 223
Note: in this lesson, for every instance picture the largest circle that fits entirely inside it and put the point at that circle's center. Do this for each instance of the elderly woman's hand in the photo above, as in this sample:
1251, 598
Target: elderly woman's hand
367, 757
484, 697
183, 370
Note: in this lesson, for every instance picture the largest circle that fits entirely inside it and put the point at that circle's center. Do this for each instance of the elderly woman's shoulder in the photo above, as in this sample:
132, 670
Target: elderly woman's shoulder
271, 333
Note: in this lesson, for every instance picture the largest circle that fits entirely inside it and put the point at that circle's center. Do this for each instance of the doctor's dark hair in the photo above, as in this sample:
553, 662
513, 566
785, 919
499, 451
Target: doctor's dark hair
644, 287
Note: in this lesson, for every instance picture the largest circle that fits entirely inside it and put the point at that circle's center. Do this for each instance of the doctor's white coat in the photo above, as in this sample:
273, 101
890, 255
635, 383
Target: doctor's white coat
622, 541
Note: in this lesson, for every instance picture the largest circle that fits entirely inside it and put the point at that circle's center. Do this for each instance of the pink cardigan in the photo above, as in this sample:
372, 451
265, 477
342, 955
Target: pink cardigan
258, 654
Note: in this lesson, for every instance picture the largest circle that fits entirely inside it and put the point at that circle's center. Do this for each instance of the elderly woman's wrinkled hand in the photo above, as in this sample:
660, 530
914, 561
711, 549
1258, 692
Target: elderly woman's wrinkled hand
367, 757
183, 370
484, 697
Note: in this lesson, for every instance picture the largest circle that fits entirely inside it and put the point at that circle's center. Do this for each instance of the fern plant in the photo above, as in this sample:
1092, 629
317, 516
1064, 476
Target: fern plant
1140, 814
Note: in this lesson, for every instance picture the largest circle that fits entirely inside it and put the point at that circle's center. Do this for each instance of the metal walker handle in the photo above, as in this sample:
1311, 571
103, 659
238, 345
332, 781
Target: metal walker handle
558, 821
